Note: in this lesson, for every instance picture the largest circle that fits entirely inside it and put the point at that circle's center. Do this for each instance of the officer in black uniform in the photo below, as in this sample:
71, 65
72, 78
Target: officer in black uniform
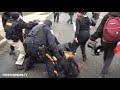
50, 44
82, 33
5, 17
13, 30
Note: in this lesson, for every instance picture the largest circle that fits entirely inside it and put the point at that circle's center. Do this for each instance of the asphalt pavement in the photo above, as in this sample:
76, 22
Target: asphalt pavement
64, 33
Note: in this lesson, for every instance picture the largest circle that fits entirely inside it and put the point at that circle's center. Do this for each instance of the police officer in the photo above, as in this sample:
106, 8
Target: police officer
13, 30
49, 42
82, 33
5, 17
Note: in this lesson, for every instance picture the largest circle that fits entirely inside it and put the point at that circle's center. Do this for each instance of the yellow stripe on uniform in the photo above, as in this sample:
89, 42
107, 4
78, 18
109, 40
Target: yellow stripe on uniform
56, 72
50, 58
9, 24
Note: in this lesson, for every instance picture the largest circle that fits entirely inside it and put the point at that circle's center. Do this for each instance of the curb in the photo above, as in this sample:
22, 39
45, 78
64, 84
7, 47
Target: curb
3, 42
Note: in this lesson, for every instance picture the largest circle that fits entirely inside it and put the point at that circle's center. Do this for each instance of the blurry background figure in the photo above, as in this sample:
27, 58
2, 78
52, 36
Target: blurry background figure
56, 15
71, 17
95, 15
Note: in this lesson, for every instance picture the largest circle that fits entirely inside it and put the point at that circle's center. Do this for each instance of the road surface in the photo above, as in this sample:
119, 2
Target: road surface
64, 33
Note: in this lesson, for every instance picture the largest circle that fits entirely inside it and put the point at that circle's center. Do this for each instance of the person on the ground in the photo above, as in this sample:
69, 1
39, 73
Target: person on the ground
82, 33
71, 14
108, 41
13, 34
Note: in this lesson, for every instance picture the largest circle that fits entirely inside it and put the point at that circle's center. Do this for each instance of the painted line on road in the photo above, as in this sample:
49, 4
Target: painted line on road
74, 26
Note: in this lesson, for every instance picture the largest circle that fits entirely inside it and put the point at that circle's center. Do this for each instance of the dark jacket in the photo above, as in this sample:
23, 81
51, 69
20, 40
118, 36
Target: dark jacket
83, 24
48, 39
99, 32
17, 26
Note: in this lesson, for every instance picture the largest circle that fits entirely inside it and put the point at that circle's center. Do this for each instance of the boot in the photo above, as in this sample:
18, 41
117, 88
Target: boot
19, 67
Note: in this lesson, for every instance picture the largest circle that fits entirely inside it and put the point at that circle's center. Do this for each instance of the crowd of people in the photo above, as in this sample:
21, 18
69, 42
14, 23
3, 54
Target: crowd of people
41, 45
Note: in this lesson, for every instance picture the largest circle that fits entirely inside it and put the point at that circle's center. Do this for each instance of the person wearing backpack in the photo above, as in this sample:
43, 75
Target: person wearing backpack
39, 43
82, 33
109, 32
13, 34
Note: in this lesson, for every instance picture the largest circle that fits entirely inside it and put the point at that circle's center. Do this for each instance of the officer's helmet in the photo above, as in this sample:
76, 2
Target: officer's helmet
15, 15
47, 22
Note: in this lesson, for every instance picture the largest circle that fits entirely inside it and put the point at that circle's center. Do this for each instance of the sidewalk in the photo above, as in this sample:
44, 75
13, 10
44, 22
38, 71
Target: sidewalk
26, 18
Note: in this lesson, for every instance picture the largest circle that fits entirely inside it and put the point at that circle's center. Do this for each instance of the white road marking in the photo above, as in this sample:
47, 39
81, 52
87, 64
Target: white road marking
74, 26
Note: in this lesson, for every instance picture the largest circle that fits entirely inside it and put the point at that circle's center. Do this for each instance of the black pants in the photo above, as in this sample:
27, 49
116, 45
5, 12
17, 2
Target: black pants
12, 47
108, 55
56, 15
82, 39
70, 19
31, 60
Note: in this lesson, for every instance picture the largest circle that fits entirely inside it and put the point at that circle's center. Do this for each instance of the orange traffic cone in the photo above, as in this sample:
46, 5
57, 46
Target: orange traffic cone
117, 48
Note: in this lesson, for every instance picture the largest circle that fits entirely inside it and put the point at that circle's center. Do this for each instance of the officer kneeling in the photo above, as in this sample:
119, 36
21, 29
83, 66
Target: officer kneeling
39, 43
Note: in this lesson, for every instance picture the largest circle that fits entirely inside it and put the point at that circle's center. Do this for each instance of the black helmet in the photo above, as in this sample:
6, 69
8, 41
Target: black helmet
15, 15
47, 22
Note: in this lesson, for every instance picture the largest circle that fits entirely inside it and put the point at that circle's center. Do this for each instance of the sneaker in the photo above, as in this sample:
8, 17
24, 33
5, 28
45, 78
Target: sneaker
19, 67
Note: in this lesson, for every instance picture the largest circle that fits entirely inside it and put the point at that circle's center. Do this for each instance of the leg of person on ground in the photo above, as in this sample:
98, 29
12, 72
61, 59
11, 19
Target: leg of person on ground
50, 68
30, 61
